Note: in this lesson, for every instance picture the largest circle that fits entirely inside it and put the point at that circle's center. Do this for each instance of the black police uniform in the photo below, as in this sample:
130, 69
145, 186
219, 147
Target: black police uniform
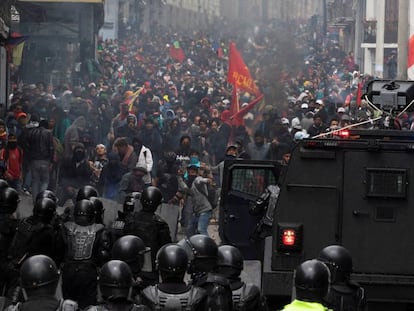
204, 252
173, 293
150, 227
9, 200
174, 297
39, 277
87, 248
115, 281
34, 237
116, 228
7, 230
344, 295
44, 303
245, 296
131, 249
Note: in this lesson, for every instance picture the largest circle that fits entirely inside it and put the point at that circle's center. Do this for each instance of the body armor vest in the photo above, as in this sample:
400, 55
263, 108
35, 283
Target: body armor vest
166, 301
348, 297
81, 240
244, 296
134, 307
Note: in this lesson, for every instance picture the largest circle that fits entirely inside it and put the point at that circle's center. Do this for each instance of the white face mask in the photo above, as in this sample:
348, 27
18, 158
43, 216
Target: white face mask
183, 119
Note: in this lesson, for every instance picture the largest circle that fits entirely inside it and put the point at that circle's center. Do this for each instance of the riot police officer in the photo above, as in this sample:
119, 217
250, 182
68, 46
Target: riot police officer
311, 285
131, 249
87, 247
9, 200
39, 278
115, 282
245, 296
150, 227
117, 226
47, 194
37, 235
86, 192
173, 293
344, 295
203, 254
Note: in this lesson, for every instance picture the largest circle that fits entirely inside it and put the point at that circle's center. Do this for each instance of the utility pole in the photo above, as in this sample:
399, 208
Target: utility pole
403, 35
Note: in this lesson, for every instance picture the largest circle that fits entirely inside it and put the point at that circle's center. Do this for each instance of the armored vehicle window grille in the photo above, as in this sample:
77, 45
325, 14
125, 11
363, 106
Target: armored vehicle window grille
386, 183
252, 181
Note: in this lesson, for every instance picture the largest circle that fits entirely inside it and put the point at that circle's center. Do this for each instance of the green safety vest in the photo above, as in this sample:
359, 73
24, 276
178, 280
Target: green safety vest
299, 305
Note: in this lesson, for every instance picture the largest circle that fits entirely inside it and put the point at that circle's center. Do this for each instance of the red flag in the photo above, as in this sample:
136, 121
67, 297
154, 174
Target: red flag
177, 54
237, 118
238, 74
359, 93
410, 61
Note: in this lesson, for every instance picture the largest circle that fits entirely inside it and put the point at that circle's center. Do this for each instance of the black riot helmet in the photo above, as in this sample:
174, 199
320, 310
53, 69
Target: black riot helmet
86, 192
9, 199
151, 197
202, 252
312, 281
130, 249
129, 202
45, 209
39, 275
339, 261
230, 261
84, 213
99, 209
3, 183
46, 194
115, 280
172, 262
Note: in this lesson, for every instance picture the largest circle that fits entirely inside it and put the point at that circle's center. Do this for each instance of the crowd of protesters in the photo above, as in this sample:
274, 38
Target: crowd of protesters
142, 117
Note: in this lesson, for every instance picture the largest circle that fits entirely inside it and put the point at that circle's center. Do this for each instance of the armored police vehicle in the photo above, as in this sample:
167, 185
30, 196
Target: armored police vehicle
356, 191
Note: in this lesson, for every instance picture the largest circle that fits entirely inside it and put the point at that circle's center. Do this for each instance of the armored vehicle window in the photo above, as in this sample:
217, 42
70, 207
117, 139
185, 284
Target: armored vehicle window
386, 183
252, 181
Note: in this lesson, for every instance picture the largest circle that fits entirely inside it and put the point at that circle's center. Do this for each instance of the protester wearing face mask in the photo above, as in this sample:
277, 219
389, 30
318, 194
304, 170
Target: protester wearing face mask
11, 159
74, 174
183, 152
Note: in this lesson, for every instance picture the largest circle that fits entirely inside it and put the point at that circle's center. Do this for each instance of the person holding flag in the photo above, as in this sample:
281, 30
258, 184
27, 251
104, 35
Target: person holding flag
239, 76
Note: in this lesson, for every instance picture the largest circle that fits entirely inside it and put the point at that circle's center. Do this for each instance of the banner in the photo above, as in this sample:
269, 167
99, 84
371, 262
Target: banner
410, 60
17, 54
238, 74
